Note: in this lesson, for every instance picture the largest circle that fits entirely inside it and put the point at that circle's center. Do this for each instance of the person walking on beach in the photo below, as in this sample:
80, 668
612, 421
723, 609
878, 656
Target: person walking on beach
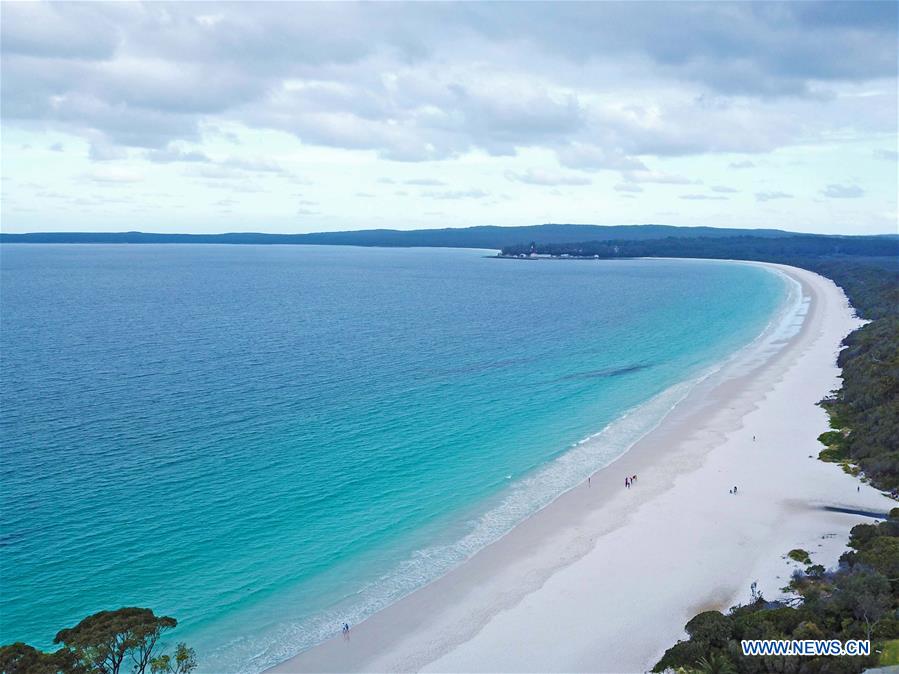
735, 490
346, 630
627, 482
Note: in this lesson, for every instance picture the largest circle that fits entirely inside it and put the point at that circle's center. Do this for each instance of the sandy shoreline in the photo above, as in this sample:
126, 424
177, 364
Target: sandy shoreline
604, 578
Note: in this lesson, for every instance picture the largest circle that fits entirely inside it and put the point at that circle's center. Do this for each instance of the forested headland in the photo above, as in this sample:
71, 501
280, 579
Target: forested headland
735, 247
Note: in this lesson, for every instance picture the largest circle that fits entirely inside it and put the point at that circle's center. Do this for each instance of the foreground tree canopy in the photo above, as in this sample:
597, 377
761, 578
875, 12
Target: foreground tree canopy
108, 642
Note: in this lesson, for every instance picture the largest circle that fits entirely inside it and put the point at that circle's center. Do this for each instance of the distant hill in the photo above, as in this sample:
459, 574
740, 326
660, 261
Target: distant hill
468, 237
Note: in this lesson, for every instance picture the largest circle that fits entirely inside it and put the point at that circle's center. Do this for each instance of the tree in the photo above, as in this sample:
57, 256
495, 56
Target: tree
882, 555
710, 627
20, 658
185, 661
102, 641
716, 663
866, 594
108, 642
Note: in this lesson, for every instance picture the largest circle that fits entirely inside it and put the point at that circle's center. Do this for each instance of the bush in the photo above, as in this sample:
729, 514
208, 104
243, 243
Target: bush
682, 654
799, 555
710, 627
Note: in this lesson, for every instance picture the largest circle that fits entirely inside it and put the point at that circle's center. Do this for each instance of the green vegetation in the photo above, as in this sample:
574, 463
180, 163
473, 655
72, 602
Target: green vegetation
107, 642
889, 655
856, 601
865, 409
799, 555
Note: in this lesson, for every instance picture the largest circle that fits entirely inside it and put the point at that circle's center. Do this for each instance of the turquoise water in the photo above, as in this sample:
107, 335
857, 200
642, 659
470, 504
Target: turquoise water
266, 441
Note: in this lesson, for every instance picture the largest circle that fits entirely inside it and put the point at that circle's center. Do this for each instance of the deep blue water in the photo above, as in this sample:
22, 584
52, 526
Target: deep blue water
265, 441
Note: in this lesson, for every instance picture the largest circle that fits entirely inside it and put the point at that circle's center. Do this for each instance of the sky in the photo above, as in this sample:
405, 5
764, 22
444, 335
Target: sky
301, 117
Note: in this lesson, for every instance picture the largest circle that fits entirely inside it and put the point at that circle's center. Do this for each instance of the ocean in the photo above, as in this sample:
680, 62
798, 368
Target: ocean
266, 441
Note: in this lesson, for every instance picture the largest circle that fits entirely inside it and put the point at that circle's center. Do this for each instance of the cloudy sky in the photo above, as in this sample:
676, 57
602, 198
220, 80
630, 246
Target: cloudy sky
300, 117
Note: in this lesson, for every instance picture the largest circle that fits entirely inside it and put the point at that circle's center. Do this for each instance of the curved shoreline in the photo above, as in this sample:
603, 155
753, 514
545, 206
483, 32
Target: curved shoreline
586, 582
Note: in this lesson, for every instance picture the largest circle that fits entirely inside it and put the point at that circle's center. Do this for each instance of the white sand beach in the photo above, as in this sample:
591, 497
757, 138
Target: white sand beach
604, 578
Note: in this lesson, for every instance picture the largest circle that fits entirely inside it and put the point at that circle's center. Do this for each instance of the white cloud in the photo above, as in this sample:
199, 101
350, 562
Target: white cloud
591, 158
627, 187
425, 182
545, 177
454, 194
114, 174
662, 177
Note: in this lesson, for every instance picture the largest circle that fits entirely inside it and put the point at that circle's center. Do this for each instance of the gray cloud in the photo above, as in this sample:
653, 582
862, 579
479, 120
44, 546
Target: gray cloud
723, 189
41, 30
741, 164
175, 154
102, 150
760, 48
769, 196
252, 165
149, 75
843, 191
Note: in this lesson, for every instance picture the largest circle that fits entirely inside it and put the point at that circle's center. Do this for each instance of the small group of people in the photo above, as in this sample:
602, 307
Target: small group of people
732, 491
629, 481
346, 630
